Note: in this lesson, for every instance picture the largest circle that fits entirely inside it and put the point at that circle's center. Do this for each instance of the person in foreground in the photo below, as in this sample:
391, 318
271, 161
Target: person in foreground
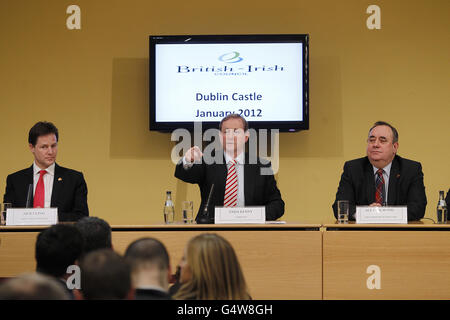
32, 286
383, 177
96, 234
105, 275
57, 248
53, 186
210, 270
237, 181
150, 269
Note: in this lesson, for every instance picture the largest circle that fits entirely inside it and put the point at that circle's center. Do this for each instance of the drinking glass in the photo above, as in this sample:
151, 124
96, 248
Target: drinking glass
3, 207
187, 212
342, 212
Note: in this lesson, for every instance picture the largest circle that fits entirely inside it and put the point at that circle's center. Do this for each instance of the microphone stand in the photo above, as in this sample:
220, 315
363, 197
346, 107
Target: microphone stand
205, 219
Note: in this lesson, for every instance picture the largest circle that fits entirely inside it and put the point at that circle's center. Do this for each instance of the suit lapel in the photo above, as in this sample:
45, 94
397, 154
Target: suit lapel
28, 179
57, 185
370, 178
394, 177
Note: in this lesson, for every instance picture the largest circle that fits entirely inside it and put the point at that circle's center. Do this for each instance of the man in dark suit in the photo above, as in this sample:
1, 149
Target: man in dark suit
239, 179
383, 177
53, 186
150, 269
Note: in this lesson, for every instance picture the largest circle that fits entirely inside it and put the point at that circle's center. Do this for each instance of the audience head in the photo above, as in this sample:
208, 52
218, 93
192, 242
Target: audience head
105, 275
57, 248
210, 270
149, 262
96, 233
32, 286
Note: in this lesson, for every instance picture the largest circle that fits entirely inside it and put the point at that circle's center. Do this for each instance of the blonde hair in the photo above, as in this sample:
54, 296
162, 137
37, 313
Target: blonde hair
216, 272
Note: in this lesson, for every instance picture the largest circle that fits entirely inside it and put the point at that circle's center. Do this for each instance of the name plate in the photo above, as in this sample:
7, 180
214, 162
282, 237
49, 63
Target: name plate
239, 215
392, 214
31, 216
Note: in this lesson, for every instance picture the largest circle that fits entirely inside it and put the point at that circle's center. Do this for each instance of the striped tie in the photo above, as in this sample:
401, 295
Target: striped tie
379, 184
230, 199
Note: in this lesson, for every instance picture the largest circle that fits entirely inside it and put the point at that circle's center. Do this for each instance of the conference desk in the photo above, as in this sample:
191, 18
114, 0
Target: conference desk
297, 261
386, 261
279, 261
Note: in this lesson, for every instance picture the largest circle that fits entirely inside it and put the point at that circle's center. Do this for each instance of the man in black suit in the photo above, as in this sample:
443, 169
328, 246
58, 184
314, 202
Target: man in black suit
383, 177
150, 269
254, 184
53, 186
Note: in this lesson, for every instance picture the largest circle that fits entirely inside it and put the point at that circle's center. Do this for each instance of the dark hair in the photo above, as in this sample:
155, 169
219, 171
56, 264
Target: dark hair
383, 123
104, 275
234, 116
33, 286
147, 250
42, 128
57, 248
96, 233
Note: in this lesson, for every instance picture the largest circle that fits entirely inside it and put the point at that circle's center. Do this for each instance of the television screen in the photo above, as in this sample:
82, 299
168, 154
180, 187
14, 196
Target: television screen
264, 78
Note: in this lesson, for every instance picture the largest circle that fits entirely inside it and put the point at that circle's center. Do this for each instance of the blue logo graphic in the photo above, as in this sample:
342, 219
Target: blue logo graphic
231, 57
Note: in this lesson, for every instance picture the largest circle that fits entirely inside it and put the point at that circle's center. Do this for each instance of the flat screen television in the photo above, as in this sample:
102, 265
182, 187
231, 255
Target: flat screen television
202, 78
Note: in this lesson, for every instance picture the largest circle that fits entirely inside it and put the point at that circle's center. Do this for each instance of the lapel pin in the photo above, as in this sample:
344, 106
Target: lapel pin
59, 179
398, 175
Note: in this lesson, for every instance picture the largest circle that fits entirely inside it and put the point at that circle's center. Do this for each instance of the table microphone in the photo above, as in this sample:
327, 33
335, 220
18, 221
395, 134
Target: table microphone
29, 196
205, 215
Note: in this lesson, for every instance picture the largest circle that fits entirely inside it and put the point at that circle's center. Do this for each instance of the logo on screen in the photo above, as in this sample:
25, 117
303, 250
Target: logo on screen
231, 57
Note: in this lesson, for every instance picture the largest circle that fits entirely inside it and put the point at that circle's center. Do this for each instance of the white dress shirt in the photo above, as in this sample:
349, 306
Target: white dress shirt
48, 182
386, 174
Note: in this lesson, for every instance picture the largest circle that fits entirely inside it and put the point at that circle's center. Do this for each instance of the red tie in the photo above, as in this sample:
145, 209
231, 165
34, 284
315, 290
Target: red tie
39, 193
230, 199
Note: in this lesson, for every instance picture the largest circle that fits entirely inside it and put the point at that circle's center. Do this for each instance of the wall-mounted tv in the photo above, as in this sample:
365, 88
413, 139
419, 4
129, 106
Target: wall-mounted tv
202, 78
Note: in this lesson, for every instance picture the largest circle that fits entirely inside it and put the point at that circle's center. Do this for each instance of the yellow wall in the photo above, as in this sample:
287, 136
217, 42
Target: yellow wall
93, 84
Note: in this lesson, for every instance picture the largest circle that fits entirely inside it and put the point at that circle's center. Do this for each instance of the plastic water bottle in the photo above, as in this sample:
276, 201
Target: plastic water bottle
169, 210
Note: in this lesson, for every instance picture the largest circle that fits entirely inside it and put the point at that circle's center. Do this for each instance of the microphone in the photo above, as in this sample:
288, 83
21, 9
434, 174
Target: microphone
29, 196
205, 219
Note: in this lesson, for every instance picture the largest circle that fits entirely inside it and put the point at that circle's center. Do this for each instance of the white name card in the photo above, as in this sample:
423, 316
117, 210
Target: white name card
392, 214
31, 216
239, 215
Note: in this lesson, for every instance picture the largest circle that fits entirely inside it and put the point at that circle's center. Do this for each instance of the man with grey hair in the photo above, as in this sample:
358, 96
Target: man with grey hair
150, 269
32, 286
383, 177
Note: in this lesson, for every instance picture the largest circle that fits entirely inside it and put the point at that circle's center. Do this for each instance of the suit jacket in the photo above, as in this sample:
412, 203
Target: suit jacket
69, 192
405, 186
259, 190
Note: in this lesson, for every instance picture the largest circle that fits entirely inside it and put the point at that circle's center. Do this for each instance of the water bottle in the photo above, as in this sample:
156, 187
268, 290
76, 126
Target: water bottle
441, 209
169, 210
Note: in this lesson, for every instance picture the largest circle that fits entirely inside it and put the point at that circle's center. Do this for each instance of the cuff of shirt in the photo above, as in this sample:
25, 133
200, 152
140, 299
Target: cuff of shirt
187, 164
